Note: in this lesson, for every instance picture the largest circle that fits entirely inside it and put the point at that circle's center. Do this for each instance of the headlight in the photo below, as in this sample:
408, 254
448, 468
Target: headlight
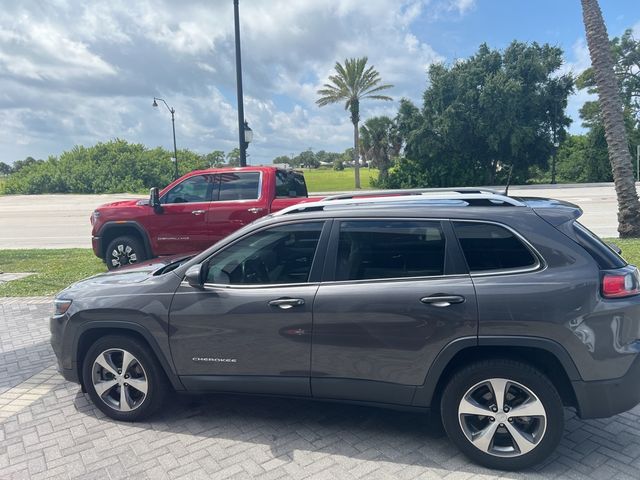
94, 216
60, 306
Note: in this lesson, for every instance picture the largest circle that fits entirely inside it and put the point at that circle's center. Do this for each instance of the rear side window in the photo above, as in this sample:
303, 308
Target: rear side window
239, 186
290, 184
601, 253
370, 249
488, 247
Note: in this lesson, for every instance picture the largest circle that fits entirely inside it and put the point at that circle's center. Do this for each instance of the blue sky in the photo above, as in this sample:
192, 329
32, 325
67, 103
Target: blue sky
80, 72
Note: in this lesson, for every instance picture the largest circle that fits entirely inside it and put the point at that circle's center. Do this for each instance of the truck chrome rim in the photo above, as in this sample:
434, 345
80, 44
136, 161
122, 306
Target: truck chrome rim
123, 255
119, 380
502, 417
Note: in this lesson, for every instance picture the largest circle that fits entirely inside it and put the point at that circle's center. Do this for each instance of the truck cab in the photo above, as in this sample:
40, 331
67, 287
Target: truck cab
192, 213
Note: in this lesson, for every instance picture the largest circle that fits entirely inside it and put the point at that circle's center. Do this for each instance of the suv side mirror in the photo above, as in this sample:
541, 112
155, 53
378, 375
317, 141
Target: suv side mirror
194, 276
154, 200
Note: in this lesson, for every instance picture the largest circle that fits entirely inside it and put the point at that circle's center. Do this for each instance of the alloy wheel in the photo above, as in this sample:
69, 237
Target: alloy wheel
119, 379
502, 417
123, 255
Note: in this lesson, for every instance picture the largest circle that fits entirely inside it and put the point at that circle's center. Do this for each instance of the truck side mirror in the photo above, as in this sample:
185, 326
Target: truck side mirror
193, 276
154, 200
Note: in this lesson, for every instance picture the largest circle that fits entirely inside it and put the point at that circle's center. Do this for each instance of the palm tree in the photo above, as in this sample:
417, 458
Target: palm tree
611, 108
376, 144
352, 83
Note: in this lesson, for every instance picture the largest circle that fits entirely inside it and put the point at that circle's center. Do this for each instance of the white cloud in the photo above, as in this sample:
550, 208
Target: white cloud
85, 71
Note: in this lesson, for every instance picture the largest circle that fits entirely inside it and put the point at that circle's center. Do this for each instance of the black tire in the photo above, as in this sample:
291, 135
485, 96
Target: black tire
125, 250
468, 379
157, 385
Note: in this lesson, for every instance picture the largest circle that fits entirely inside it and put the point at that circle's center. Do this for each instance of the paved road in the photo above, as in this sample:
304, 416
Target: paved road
49, 429
62, 221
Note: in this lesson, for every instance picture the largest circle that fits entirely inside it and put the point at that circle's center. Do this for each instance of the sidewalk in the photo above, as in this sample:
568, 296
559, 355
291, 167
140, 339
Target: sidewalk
49, 429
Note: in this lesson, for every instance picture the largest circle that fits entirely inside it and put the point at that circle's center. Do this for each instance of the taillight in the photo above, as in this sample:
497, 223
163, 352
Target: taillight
621, 284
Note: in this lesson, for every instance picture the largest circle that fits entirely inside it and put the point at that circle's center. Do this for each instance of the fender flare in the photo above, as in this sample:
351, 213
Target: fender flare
111, 225
165, 364
424, 393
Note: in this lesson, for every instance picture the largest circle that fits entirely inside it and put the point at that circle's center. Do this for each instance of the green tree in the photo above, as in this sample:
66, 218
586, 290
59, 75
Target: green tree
215, 159
483, 115
613, 119
351, 84
282, 160
307, 159
233, 157
27, 162
5, 169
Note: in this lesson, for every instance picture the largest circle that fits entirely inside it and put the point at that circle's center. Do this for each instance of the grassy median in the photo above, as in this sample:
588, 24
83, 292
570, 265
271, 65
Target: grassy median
326, 180
56, 269
53, 270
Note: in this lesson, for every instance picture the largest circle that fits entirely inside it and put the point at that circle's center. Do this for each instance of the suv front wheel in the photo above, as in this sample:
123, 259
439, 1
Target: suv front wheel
503, 414
123, 378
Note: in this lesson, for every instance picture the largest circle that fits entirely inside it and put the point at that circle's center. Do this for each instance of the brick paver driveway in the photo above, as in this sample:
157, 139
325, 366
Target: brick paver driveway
49, 429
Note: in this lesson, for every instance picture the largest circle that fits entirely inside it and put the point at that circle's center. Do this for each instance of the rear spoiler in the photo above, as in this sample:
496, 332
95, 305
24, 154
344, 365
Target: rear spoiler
558, 213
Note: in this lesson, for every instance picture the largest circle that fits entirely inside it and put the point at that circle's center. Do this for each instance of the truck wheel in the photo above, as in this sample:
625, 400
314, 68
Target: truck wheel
123, 378
125, 250
503, 414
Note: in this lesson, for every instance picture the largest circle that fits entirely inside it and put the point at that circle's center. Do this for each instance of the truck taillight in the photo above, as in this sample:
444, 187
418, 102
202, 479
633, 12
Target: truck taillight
621, 284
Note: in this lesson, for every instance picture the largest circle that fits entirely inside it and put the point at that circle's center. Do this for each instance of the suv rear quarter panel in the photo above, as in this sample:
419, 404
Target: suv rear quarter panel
561, 301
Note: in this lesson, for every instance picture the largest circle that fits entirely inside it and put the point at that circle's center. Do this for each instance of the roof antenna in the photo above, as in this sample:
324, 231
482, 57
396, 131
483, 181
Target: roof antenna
506, 188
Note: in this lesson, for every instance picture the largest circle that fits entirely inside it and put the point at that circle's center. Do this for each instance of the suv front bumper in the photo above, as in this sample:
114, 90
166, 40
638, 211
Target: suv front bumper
605, 398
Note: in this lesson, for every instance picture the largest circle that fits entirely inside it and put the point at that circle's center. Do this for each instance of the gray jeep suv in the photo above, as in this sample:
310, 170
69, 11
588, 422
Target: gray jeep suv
493, 312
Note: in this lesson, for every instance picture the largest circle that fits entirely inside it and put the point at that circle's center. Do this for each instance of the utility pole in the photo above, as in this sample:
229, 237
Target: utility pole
638, 162
241, 139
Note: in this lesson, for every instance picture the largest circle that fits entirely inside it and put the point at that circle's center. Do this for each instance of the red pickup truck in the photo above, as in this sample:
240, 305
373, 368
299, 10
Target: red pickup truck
192, 213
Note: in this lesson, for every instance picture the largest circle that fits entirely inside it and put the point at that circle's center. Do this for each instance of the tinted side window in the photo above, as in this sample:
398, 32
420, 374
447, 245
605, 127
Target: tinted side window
194, 189
601, 253
371, 249
290, 184
239, 186
278, 255
492, 247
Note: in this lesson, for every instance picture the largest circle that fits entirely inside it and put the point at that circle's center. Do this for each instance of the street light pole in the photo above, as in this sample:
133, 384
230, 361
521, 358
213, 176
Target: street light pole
241, 123
173, 127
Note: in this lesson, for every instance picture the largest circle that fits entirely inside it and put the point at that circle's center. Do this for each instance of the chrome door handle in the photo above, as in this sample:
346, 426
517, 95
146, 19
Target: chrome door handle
255, 210
198, 212
442, 300
286, 303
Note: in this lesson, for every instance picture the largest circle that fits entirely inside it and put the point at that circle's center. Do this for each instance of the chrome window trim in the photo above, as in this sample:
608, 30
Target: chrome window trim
540, 264
263, 285
243, 200
178, 184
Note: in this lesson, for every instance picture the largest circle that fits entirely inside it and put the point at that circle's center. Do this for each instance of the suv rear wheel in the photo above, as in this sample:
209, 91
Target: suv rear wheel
125, 250
503, 414
123, 378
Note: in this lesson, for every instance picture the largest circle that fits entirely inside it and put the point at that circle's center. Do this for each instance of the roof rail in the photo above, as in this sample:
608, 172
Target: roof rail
408, 191
426, 197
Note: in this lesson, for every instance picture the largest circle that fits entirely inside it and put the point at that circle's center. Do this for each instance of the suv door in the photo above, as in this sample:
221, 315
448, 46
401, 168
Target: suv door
249, 328
238, 200
398, 294
182, 225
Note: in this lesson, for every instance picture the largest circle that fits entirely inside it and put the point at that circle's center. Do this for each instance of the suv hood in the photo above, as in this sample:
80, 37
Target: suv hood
130, 275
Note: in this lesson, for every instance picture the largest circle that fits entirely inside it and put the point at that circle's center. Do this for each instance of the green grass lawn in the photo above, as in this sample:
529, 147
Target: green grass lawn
328, 180
54, 270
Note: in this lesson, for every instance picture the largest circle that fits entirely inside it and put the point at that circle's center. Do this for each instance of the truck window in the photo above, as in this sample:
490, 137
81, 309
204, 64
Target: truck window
239, 186
192, 190
290, 184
